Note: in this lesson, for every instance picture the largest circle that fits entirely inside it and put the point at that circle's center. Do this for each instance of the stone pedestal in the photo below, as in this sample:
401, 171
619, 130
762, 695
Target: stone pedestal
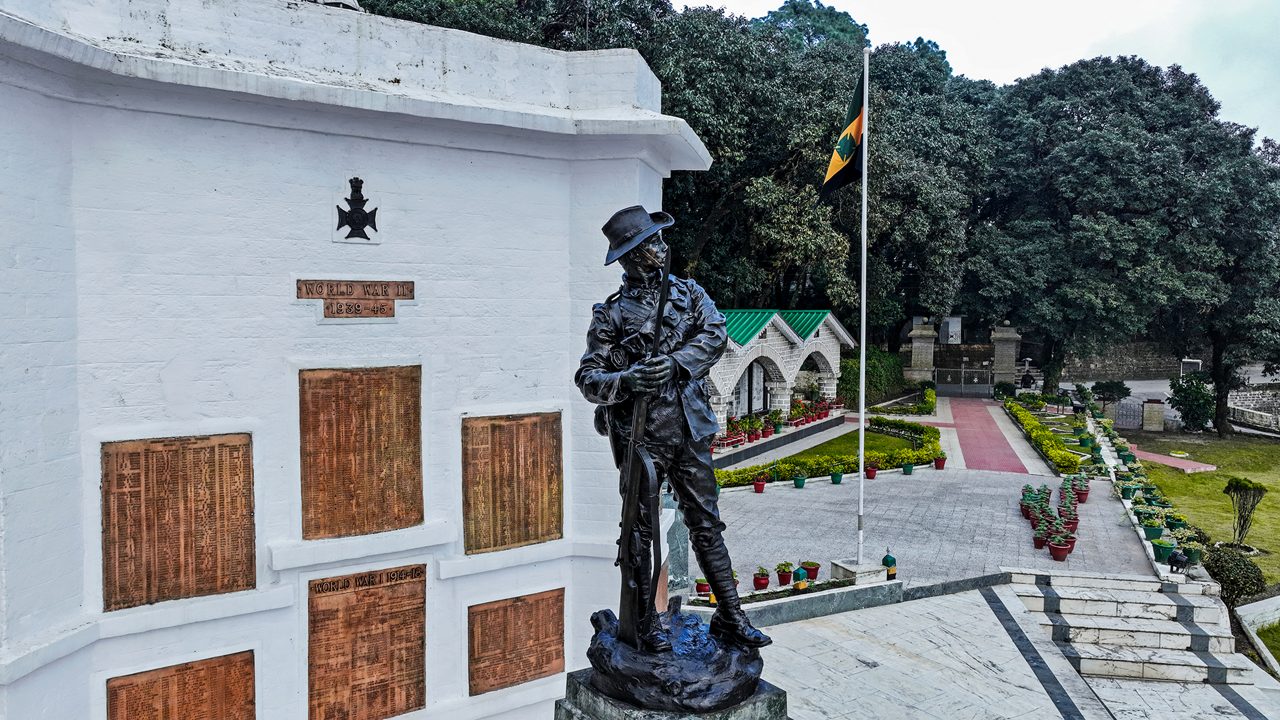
1007, 343
1153, 416
583, 702
922, 339
861, 574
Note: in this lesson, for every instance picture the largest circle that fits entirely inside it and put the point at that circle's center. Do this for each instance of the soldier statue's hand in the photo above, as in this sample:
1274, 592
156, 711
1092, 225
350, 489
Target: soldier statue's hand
647, 376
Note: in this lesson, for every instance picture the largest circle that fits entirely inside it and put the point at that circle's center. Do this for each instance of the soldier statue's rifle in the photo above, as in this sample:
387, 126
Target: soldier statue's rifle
640, 484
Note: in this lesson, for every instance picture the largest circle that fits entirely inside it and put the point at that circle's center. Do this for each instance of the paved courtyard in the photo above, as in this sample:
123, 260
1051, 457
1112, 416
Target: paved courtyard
940, 524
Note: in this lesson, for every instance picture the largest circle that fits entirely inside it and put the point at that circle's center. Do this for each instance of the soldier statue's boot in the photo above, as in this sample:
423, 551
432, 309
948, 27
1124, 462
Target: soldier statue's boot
728, 623
650, 635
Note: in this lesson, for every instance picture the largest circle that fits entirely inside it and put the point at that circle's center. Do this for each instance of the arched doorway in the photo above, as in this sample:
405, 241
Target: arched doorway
817, 377
751, 393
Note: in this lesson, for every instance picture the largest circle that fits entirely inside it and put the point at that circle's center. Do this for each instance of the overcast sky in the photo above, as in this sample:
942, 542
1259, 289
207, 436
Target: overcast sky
1232, 45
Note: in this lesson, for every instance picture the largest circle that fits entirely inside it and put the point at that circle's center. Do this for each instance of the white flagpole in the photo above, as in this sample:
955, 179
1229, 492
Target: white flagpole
862, 339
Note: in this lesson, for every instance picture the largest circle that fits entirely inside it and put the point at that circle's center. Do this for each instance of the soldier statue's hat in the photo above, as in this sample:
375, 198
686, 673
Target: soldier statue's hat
631, 226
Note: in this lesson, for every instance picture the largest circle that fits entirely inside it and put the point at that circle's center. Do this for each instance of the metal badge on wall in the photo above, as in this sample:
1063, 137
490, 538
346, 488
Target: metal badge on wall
356, 219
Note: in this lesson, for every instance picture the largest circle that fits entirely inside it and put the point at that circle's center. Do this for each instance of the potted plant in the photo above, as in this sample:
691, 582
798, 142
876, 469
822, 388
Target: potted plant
798, 480
1152, 528
870, 469
940, 462
810, 569
1175, 521
837, 472
1194, 551
753, 425
1058, 547
701, 586
1041, 537
775, 419
908, 468
760, 579
766, 428
784, 572
759, 482
1162, 549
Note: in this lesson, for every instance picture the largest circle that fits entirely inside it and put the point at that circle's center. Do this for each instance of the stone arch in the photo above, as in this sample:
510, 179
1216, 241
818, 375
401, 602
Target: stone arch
724, 383
827, 360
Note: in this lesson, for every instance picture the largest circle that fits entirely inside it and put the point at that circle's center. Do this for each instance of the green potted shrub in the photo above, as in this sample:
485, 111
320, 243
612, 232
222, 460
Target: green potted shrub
837, 472
1162, 549
810, 569
1058, 549
1041, 537
1152, 528
1175, 521
798, 479
760, 579
908, 468
784, 570
940, 462
775, 419
1194, 550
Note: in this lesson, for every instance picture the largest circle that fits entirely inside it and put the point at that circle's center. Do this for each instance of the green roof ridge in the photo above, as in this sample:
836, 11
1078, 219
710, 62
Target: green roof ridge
804, 322
744, 324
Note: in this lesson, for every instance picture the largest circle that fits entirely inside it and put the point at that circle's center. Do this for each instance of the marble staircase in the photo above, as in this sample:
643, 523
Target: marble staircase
1129, 626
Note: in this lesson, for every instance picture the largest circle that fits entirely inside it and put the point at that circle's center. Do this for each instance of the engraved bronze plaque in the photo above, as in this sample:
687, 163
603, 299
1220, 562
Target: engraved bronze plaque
512, 481
177, 519
361, 450
516, 640
356, 298
219, 688
367, 639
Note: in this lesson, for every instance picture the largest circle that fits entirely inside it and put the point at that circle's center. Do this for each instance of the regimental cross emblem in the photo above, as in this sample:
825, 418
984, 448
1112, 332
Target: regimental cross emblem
357, 218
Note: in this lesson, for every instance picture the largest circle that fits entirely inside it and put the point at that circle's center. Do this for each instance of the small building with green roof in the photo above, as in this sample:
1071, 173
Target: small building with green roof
773, 355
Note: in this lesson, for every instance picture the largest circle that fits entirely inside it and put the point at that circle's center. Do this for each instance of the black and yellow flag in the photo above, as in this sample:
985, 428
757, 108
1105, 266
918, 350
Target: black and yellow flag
846, 158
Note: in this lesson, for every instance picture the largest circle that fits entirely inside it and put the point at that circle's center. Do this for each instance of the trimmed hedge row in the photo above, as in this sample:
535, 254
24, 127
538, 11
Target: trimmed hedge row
927, 438
924, 407
1044, 439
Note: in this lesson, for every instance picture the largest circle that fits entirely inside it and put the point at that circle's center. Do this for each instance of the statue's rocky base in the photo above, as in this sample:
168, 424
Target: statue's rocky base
699, 675
583, 702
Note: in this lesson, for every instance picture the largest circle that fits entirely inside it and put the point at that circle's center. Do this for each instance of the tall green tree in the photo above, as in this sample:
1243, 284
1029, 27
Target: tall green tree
1071, 242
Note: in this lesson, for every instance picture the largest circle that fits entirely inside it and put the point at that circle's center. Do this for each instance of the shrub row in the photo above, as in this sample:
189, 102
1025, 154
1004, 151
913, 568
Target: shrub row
1044, 439
924, 407
884, 376
928, 440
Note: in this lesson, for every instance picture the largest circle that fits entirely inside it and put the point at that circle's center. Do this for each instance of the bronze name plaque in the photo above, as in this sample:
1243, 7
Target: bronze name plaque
219, 688
177, 519
356, 298
367, 639
361, 450
516, 640
512, 481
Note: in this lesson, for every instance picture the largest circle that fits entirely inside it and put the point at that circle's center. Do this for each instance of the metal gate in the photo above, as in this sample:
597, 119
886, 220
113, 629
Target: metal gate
964, 382
1127, 414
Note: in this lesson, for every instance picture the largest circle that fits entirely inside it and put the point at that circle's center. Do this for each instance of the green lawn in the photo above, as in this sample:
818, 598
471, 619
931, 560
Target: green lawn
1270, 636
847, 444
1199, 495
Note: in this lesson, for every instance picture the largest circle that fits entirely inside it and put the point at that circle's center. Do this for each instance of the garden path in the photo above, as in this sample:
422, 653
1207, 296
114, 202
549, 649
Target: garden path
941, 525
1183, 464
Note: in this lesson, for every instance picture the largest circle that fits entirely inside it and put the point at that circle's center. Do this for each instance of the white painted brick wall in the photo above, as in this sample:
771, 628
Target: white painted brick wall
152, 294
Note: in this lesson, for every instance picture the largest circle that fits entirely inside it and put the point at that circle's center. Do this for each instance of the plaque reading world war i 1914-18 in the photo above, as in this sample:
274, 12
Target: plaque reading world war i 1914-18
512, 481
649, 349
177, 519
361, 450
367, 644
515, 640
219, 688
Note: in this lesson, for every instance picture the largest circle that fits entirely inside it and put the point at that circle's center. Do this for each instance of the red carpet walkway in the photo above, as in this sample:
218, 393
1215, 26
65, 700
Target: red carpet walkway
985, 447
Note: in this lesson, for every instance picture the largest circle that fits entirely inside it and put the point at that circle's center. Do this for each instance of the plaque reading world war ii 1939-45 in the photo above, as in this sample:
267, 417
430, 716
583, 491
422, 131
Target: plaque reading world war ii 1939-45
177, 519
353, 299
361, 450
515, 640
512, 481
367, 640
220, 688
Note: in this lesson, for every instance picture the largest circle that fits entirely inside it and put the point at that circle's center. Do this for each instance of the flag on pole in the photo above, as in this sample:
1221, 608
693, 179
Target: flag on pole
846, 158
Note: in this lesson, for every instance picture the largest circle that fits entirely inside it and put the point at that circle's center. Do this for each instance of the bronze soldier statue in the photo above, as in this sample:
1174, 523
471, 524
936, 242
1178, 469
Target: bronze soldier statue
627, 367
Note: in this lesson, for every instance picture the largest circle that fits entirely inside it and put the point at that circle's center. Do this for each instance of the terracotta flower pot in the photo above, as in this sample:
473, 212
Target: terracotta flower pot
871, 473
753, 436
811, 570
767, 431
759, 485
1072, 525
1071, 545
1058, 552
1040, 542
702, 588
760, 582
784, 578
939, 463
1083, 497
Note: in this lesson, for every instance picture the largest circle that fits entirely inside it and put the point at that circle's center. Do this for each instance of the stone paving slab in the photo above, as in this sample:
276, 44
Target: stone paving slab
941, 525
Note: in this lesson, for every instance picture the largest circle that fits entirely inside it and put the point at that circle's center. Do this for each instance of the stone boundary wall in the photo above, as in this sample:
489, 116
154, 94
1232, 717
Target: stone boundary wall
1267, 401
1129, 361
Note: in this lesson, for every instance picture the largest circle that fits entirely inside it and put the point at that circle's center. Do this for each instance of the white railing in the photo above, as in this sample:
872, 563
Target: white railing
1253, 418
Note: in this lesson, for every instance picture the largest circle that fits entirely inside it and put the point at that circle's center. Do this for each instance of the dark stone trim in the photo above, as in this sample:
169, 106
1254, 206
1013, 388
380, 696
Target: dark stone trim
761, 447
1052, 601
951, 587
1052, 686
1237, 701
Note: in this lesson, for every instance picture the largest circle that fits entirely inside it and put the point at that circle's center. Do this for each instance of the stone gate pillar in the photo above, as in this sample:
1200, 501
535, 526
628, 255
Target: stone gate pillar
922, 340
779, 395
1007, 343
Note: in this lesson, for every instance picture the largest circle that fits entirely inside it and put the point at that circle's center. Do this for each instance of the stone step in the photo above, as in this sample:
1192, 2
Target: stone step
1104, 580
1200, 609
1153, 664
1138, 633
